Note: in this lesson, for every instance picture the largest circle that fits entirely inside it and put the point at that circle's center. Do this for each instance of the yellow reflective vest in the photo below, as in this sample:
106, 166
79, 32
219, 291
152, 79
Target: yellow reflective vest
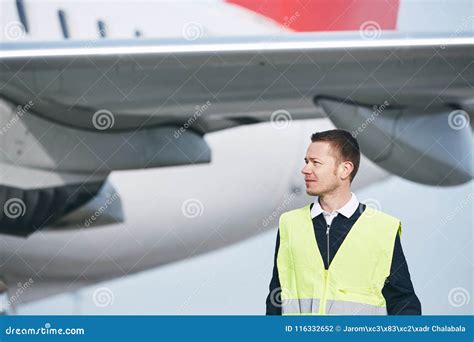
352, 285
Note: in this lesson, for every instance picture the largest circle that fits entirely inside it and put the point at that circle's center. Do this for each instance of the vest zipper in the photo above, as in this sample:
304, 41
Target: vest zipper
327, 240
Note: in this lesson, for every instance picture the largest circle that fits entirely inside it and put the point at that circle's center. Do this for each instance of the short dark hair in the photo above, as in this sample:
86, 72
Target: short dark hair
346, 145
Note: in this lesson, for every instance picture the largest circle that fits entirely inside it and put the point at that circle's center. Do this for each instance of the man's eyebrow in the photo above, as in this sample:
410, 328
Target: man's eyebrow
312, 158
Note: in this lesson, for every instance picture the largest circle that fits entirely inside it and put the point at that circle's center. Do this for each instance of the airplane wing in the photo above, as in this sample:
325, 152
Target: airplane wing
226, 83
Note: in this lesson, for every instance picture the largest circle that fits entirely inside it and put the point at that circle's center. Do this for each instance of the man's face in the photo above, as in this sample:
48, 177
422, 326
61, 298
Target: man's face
320, 171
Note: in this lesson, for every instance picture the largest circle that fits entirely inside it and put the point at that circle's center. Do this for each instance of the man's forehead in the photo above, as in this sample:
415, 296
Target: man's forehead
319, 149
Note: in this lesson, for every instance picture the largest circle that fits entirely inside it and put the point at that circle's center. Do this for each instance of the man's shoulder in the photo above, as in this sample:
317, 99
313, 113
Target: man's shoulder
377, 214
296, 212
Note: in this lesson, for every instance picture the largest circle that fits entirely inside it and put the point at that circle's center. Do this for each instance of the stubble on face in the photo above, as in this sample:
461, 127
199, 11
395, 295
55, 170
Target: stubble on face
325, 183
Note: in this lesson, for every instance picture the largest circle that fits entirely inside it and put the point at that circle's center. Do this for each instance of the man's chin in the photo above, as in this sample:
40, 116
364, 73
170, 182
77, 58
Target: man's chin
312, 192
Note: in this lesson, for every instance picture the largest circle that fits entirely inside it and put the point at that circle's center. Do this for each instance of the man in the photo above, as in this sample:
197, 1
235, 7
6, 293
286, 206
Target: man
338, 256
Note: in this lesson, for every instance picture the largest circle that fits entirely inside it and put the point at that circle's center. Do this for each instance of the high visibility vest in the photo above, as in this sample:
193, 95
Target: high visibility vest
352, 285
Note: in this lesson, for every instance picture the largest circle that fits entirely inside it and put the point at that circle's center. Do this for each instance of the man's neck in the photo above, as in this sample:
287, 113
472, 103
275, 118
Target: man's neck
335, 200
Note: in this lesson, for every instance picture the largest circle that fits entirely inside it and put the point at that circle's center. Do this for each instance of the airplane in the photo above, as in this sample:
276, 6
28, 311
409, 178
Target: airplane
139, 134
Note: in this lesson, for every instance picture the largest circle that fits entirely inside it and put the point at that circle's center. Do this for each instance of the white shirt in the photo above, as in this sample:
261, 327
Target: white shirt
347, 209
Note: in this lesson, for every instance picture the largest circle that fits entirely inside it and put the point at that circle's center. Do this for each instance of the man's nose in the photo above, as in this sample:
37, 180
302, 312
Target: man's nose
306, 169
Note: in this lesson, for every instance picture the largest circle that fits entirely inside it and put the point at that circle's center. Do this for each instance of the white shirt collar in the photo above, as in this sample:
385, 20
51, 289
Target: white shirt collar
347, 209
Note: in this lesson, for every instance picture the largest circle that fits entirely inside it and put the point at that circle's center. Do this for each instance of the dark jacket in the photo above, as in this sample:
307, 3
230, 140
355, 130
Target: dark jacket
398, 290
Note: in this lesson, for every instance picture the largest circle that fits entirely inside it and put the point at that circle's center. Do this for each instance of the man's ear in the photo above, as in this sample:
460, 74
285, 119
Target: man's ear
347, 169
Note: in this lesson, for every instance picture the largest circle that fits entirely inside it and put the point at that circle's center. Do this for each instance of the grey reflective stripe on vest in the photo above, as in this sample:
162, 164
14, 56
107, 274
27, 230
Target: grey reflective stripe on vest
300, 306
339, 307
